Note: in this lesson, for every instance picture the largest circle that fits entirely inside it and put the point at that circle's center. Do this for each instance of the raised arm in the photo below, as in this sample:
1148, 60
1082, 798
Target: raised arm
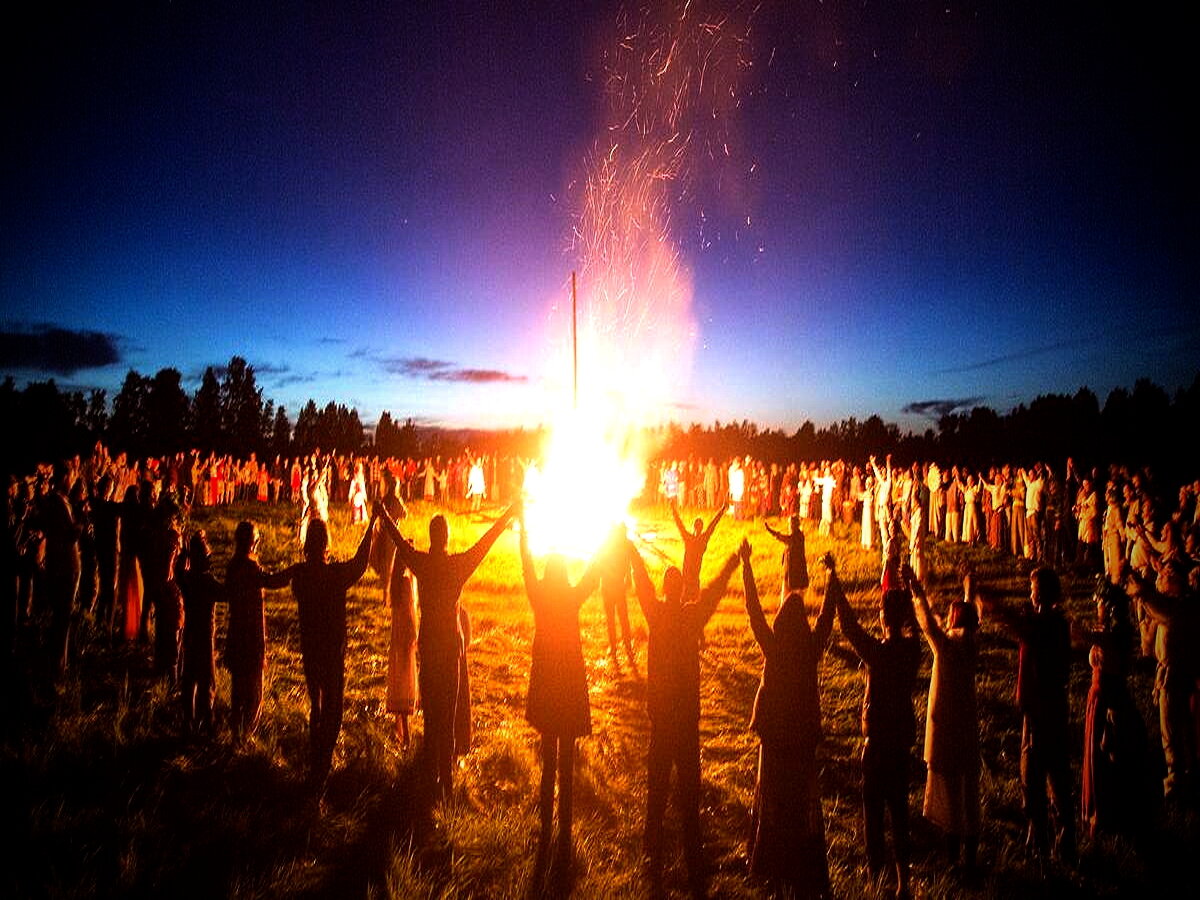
358, 565
473, 557
864, 645
925, 618
589, 582
641, 584
404, 549
824, 627
782, 538
758, 621
712, 526
683, 532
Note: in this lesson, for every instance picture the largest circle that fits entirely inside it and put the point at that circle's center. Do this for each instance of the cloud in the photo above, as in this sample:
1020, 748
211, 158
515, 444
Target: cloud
935, 409
443, 370
60, 351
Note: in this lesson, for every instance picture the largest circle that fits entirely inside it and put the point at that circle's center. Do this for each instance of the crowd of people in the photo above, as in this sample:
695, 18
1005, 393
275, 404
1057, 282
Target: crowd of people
105, 540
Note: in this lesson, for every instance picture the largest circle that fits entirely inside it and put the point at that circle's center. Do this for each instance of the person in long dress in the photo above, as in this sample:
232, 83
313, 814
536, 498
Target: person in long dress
557, 704
129, 567
400, 596
1115, 795
867, 532
795, 566
787, 843
952, 722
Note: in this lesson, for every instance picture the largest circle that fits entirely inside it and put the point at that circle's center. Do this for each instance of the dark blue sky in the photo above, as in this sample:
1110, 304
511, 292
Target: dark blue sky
960, 202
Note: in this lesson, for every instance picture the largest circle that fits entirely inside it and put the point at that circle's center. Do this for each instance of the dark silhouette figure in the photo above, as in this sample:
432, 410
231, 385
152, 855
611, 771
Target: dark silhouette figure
787, 837
889, 727
130, 586
695, 543
673, 703
1115, 773
614, 591
440, 649
159, 552
320, 589
795, 566
198, 677
62, 565
1043, 671
246, 635
106, 526
557, 705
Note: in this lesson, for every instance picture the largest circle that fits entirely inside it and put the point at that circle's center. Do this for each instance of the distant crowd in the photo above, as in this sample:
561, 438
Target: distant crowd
101, 549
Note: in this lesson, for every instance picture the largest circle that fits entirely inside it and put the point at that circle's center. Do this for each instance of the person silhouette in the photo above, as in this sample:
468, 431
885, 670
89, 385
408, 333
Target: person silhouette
614, 591
320, 589
440, 579
787, 842
557, 704
676, 624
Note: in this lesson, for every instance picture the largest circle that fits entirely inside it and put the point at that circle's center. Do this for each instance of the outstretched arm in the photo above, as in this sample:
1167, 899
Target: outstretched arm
833, 588
758, 621
864, 645
712, 526
589, 582
929, 625
358, 565
683, 532
405, 551
273, 581
782, 538
641, 584
473, 557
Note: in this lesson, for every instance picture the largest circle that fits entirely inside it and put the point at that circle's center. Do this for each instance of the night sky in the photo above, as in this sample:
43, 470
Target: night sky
961, 203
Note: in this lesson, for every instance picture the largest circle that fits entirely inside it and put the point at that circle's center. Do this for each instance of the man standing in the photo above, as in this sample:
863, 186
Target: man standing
673, 701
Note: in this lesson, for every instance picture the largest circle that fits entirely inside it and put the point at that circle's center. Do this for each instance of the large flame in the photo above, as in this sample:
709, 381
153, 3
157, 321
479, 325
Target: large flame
668, 83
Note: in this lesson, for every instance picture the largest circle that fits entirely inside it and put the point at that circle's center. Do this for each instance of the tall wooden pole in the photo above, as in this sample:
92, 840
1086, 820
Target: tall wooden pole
574, 348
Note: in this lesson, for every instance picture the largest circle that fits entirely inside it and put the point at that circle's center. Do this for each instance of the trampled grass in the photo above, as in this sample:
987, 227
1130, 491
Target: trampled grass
104, 798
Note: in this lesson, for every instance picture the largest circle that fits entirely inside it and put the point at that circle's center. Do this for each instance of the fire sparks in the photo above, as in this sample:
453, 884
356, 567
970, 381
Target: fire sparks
670, 79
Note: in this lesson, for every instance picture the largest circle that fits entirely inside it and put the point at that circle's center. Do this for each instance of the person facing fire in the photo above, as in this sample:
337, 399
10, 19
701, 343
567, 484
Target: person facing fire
320, 589
557, 705
695, 543
440, 579
787, 838
614, 591
676, 624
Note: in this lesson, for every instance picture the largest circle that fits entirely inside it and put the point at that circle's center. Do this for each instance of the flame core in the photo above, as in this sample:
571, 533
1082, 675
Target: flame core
669, 81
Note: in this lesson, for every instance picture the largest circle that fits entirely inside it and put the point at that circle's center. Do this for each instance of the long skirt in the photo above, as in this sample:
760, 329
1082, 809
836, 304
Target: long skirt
129, 595
402, 650
787, 841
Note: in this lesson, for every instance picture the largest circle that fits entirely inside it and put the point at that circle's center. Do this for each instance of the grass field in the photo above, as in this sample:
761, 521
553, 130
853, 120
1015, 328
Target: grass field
103, 798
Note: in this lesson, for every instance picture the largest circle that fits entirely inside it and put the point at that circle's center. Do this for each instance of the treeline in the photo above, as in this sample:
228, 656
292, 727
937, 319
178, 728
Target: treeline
1145, 426
154, 415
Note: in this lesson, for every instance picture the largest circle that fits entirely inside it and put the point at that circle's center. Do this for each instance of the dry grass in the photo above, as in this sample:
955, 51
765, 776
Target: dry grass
104, 799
